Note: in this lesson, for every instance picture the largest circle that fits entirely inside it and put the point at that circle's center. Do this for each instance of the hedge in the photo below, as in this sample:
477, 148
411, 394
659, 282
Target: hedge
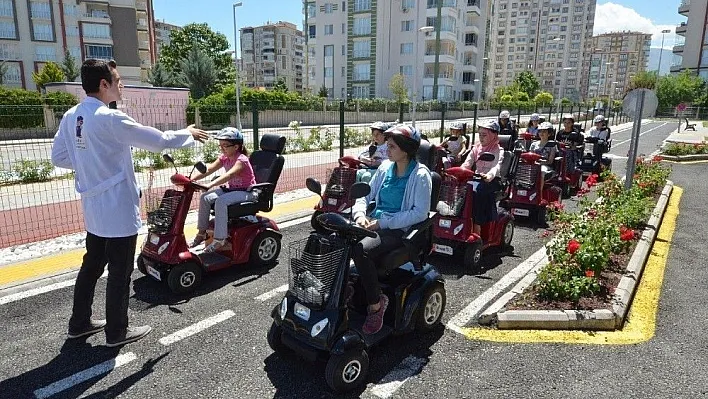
23, 108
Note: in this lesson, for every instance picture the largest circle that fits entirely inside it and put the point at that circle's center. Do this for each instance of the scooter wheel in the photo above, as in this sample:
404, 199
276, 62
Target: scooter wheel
473, 256
431, 308
347, 371
541, 217
508, 234
265, 248
275, 340
141, 265
184, 277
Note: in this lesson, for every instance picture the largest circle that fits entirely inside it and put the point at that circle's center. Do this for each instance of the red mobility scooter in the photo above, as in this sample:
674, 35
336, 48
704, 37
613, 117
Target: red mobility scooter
452, 227
254, 239
336, 194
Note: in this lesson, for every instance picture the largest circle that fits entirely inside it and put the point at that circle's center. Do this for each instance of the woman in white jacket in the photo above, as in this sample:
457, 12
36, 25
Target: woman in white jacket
401, 188
95, 142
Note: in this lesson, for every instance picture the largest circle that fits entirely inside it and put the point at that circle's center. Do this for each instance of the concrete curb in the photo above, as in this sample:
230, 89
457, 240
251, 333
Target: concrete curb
684, 158
598, 319
71, 274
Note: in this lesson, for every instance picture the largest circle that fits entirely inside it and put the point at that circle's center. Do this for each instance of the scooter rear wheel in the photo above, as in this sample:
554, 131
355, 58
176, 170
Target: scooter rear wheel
347, 371
431, 308
265, 248
508, 233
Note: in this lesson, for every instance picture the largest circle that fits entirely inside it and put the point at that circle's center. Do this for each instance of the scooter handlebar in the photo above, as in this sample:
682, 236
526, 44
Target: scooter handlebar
358, 230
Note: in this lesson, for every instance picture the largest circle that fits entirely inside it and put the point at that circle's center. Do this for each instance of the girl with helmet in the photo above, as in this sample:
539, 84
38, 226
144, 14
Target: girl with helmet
573, 139
375, 154
401, 188
231, 189
600, 129
548, 152
484, 208
456, 144
507, 126
533, 124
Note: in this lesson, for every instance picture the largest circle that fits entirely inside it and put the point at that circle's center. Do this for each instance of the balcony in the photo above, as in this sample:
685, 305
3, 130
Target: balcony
141, 5
144, 44
681, 29
474, 11
675, 68
684, 7
678, 49
444, 59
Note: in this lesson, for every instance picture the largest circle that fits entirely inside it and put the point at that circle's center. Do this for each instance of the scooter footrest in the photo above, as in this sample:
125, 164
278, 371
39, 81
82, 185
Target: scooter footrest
212, 259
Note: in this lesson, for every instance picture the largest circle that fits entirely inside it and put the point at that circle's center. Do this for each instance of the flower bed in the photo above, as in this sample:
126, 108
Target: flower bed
678, 149
589, 250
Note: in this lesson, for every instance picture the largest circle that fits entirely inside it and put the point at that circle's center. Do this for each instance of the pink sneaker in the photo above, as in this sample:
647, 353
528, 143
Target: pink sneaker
374, 321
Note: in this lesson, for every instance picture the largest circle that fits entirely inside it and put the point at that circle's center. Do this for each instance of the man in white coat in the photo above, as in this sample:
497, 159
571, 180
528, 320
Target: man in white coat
95, 142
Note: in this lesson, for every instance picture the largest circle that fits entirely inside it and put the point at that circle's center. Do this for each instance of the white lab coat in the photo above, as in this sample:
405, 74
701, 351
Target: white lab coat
95, 142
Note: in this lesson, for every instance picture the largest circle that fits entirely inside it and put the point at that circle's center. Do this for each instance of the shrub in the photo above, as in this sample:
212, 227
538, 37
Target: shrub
210, 151
33, 171
675, 149
183, 156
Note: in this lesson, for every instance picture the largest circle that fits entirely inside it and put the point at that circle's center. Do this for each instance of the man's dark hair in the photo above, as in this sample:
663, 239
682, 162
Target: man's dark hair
93, 71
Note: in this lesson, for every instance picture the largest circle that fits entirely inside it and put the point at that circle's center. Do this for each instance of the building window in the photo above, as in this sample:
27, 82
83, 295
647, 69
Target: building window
7, 30
311, 10
344, 71
75, 52
97, 31
362, 48
13, 75
406, 48
407, 26
407, 4
344, 50
99, 52
362, 25
361, 72
471, 39
312, 31
40, 10
406, 70
42, 32
6, 8
329, 51
467, 78
328, 30
328, 8
362, 5
329, 72
45, 53
360, 91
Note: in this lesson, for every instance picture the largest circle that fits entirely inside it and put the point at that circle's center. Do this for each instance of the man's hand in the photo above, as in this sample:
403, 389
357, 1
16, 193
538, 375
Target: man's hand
198, 134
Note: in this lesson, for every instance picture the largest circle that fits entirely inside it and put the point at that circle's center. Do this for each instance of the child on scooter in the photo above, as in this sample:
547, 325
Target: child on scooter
484, 207
232, 187
401, 188
375, 154
548, 152
456, 144
573, 140
534, 124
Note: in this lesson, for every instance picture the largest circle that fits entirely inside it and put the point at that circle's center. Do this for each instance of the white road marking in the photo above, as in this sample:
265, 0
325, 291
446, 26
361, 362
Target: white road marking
294, 222
196, 328
641, 134
35, 291
85, 375
388, 385
478, 304
272, 293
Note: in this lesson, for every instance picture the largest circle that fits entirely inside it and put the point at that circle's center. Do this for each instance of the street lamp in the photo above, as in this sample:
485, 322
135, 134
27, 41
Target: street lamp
424, 29
238, 70
661, 50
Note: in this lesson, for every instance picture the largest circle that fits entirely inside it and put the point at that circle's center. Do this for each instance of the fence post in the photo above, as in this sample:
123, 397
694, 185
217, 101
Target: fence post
474, 121
442, 121
560, 118
400, 112
254, 110
341, 129
197, 118
518, 116
550, 111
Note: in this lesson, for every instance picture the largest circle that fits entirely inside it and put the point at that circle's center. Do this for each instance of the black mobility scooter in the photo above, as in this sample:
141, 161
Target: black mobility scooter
322, 314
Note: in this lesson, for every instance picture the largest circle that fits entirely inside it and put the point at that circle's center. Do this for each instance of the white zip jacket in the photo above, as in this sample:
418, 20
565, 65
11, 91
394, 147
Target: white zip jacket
95, 142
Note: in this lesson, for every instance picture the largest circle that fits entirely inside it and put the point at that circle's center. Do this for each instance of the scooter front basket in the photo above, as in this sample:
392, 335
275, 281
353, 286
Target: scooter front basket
340, 180
161, 210
314, 263
452, 197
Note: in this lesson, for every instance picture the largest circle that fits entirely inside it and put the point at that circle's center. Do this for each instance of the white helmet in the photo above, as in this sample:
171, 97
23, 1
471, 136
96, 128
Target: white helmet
535, 117
379, 126
456, 126
598, 119
505, 115
545, 126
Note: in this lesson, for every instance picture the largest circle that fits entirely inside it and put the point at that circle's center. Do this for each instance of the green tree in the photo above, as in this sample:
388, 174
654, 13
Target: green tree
543, 98
51, 72
159, 76
323, 92
199, 72
3, 71
566, 101
398, 88
527, 83
280, 86
213, 44
521, 96
674, 89
644, 80
69, 67
510, 90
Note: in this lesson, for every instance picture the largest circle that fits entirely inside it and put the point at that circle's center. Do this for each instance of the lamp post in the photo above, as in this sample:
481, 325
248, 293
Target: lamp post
661, 50
415, 70
238, 70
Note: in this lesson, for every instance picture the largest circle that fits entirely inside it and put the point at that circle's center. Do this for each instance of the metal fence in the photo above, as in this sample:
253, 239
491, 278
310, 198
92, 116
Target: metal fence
38, 201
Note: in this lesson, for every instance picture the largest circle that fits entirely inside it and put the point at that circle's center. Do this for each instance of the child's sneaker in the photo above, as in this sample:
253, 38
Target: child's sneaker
374, 321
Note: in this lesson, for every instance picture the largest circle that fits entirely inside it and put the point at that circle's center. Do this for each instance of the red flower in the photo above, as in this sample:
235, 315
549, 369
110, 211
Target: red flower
545, 234
657, 158
592, 213
583, 191
626, 234
573, 246
589, 273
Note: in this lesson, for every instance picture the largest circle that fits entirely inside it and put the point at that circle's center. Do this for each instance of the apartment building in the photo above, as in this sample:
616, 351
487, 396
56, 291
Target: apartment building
547, 37
355, 47
33, 32
162, 35
691, 49
611, 60
273, 52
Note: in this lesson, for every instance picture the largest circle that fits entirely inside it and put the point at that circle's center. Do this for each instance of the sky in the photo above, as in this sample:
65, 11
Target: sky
649, 16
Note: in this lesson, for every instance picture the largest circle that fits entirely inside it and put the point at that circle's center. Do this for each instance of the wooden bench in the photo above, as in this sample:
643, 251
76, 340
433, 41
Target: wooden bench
690, 126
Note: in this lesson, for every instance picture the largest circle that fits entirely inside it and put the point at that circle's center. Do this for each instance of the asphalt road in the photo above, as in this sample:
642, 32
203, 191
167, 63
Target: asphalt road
232, 359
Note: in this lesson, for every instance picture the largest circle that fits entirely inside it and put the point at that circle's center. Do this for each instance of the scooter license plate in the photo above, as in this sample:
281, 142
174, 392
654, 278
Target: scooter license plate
522, 193
153, 272
332, 201
443, 249
521, 212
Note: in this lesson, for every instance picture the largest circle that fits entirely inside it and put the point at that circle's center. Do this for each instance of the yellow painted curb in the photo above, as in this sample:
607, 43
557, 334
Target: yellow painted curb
641, 321
71, 260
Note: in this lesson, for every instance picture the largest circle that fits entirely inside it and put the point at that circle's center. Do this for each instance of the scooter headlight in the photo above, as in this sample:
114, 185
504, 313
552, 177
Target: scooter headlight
317, 328
162, 248
283, 308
